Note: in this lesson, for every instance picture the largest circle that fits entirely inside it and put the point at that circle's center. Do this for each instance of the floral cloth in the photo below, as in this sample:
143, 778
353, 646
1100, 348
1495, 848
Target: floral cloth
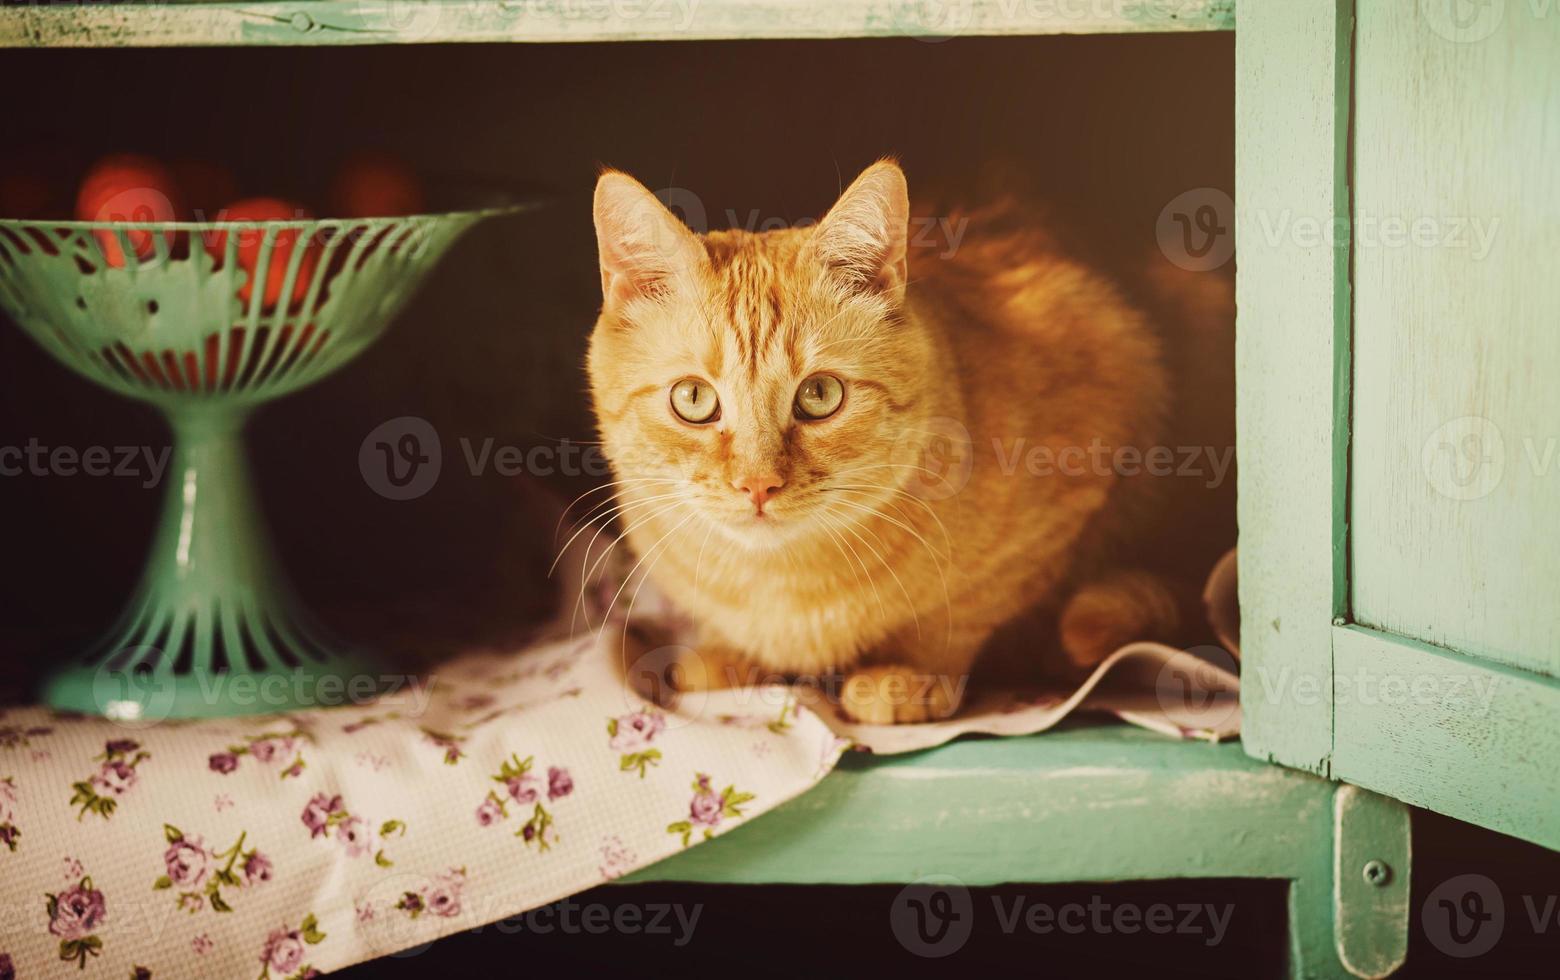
282, 847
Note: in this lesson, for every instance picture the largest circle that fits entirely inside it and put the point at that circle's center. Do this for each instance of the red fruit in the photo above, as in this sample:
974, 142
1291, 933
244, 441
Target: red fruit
375, 185
127, 187
250, 241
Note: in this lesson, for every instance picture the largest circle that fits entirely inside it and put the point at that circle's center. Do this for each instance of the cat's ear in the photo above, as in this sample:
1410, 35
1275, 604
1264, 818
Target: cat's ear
644, 247
863, 237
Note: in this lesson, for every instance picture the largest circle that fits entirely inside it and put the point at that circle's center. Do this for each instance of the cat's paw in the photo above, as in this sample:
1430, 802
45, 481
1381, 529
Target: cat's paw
897, 696
1103, 616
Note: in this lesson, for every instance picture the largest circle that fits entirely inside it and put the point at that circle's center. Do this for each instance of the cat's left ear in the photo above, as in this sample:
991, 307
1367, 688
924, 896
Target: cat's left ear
645, 249
863, 237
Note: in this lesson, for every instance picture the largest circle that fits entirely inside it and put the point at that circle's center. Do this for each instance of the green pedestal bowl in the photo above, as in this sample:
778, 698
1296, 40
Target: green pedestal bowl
213, 628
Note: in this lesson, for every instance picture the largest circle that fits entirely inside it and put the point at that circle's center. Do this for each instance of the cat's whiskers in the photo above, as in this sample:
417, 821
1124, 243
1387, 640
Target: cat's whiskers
902, 525
579, 598
637, 481
628, 616
607, 616
829, 526
588, 575
866, 489
698, 564
900, 491
875, 496
937, 560
851, 525
612, 499
586, 524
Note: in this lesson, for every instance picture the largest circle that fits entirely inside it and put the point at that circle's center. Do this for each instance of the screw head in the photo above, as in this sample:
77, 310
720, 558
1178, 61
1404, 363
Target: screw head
1378, 873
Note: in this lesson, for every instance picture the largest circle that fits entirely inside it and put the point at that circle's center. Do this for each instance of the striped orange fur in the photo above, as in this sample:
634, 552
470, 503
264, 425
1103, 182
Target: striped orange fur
905, 529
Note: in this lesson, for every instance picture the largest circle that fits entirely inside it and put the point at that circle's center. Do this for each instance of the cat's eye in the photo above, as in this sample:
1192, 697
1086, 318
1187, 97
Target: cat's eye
694, 401
819, 397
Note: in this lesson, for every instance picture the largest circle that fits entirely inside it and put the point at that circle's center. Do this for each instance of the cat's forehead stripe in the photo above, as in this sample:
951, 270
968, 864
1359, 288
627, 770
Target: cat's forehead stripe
751, 278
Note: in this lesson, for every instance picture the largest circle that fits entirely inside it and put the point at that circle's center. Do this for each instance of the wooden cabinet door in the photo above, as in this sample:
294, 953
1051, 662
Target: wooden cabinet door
1400, 399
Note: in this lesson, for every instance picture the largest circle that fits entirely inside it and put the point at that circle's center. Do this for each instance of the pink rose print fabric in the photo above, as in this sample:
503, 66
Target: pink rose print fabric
279, 750
325, 816
265, 847
707, 809
634, 735
99, 793
74, 916
198, 874
285, 949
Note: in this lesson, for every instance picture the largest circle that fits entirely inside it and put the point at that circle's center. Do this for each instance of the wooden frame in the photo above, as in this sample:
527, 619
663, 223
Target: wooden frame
1292, 100
1311, 689
1485, 723
340, 22
990, 812
1088, 804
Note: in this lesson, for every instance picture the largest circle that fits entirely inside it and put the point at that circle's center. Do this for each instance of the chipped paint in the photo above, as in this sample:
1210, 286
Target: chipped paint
341, 22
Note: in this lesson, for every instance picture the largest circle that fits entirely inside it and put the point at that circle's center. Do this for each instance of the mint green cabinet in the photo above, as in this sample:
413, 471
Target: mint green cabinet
1398, 412
1398, 222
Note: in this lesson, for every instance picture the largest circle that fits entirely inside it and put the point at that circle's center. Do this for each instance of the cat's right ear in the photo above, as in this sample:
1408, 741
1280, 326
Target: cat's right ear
644, 247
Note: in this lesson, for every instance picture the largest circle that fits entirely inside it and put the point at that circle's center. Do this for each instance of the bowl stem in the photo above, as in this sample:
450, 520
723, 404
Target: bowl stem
214, 628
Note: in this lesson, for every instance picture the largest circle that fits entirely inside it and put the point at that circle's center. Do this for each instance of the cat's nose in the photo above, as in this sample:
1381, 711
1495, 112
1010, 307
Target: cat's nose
759, 486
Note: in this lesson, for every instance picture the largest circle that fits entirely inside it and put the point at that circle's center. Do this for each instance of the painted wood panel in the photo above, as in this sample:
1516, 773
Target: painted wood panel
1098, 803
1472, 739
1080, 804
326, 22
1292, 103
1456, 466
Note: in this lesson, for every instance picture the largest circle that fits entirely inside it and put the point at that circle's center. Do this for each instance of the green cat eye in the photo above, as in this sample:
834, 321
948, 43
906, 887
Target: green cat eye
819, 397
694, 401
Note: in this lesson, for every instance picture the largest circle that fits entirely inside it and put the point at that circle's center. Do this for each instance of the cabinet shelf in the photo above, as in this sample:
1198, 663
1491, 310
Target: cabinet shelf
340, 22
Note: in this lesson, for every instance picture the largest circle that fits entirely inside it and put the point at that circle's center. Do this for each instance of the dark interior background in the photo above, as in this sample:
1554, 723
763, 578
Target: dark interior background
1105, 130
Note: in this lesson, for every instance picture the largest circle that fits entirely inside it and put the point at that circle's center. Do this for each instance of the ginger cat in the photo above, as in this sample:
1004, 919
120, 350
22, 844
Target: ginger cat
824, 443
